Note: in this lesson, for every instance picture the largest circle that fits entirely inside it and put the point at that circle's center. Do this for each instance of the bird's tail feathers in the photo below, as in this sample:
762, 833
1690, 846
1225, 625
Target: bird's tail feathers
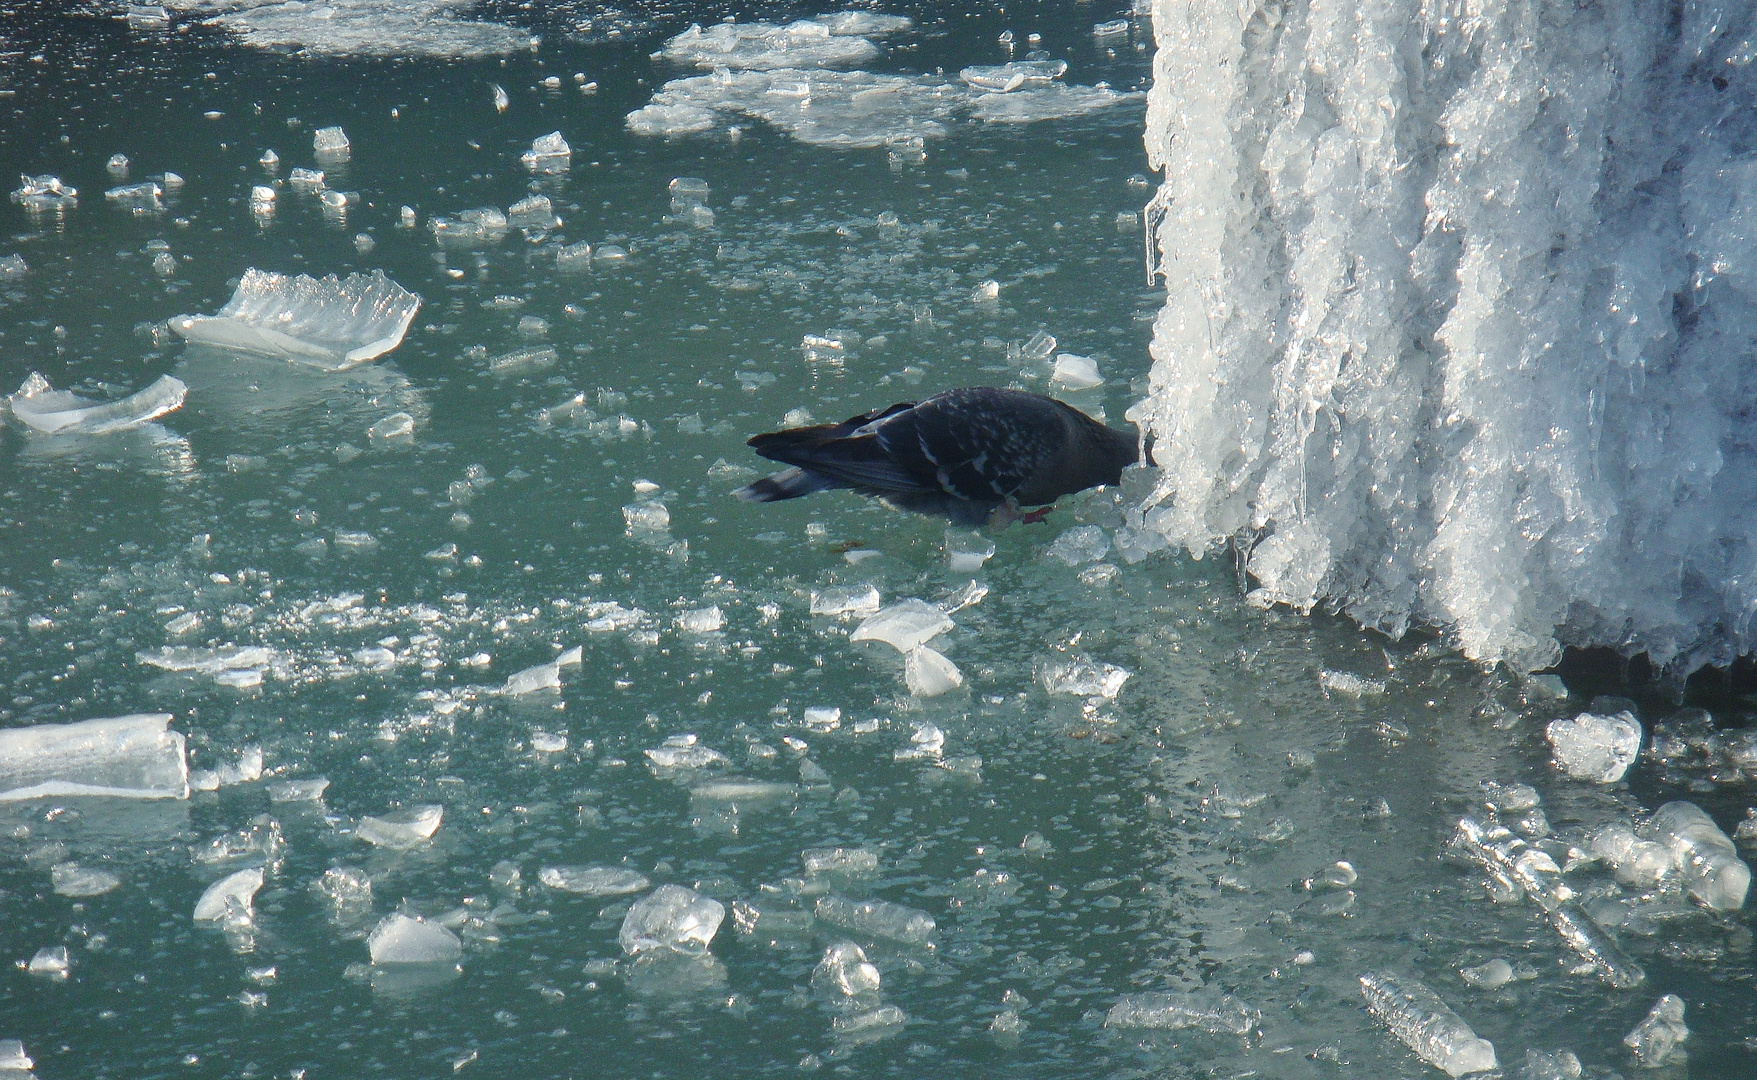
786, 484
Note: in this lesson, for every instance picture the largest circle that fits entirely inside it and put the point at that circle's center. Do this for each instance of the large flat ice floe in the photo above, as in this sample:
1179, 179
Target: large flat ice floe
327, 323
59, 412
136, 757
362, 27
1465, 340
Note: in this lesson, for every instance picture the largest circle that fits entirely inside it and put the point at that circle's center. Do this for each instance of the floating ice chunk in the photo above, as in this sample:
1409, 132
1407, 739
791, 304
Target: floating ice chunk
571, 657
404, 939
678, 754
72, 879
1083, 677
735, 793
863, 23
844, 970
533, 212
13, 267
1075, 372
1655, 1040
401, 829
420, 28
229, 899
1492, 975
1111, 28
687, 192
330, 144
59, 412
967, 551
1561, 1065
1594, 747
869, 1025
904, 625
1030, 105
701, 620
1081, 544
879, 919
928, 673
532, 679
576, 256
295, 791
1424, 1023
1712, 870
546, 742
1225, 1015
928, 741
848, 862
345, 886
129, 756
395, 426
766, 46
847, 110
54, 963
1349, 684
331, 324
845, 600
593, 880
671, 917
40, 194
143, 196
548, 154
309, 181
205, 661
1005, 78
13, 1057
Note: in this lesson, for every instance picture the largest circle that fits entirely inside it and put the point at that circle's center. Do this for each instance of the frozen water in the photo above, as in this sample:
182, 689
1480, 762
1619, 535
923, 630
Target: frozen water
51, 961
389, 28
330, 142
13, 1057
1075, 372
130, 756
345, 886
1079, 545
1655, 1041
548, 153
1492, 975
72, 879
845, 600
229, 899
672, 918
297, 791
211, 661
1712, 870
849, 862
845, 971
1594, 747
1220, 1014
1084, 677
680, 754
903, 625
532, 212
594, 880
1425, 1024
759, 45
701, 620
880, 919
45, 194
329, 323
929, 674
401, 829
533, 679
58, 412
407, 939
1005, 78
13, 267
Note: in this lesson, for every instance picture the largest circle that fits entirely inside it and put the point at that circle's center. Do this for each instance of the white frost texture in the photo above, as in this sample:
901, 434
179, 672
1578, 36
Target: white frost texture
1458, 316
327, 323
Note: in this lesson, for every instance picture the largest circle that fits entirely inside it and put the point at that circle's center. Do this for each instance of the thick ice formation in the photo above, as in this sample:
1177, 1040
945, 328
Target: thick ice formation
1458, 316
331, 324
845, 971
1425, 1024
404, 939
1594, 747
1711, 868
135, 757
60, 412
364, 27
672, 918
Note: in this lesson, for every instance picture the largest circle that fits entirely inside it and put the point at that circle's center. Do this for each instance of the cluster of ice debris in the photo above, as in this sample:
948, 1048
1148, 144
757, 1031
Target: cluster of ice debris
426, 28
1445, 346
777, 74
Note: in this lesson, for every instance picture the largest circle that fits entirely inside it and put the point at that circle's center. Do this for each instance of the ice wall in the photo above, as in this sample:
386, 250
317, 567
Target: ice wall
1459, 314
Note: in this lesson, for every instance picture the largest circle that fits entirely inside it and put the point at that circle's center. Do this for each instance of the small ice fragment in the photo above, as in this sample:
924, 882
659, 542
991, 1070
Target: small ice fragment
164, 264
13, 267
928, 741
1712, 870
878, 919
72, 879
967, 551
53, 962
532, 679
532, 212
610, 253
1594, 747
292, 791
1655, 1040
985, 291
1038, 346
576, 256
1084, 678
171, 181
671, 917
545, 742
846, 861
327, 323
394, 426
403, 939
401, 829
845, 600
570, 657
929, 674
687, 192
870, 1024
1495, 973
129, 756
500, 99
406, 217
701, 620
903, 625
270, 161
306, 180
262, 197
229, 899
346, 886
13, 1057
537, 356
247, 769
330, 144
205, 661
1075, 372
1425, 1024
844, 970
646, 518
1349, 684
1226, 1015
117, 165
59, 412
684, 756
1082, 544
822, 718
548, 154
593, 880
1111, 28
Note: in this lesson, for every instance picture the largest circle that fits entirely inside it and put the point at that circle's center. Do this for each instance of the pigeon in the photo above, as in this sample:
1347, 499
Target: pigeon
975, 455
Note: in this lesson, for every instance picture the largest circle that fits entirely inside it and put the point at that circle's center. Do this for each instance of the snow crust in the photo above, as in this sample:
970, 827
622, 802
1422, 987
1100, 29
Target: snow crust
1457, 316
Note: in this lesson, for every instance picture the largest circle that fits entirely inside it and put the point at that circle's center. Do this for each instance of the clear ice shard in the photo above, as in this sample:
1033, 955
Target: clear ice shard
207, 661
1083, 677
134, 756
928, 673
844, 970
1075, 372
879, 919
1323, 288
1712, 870
548, 154
297, 791
1079, 545
849, 862
59, 412
903, 625
673, 918
401, 829
845, 600
533, 679
405, 939
13, 1058
1425, 1024
229, 899
593, 880
331, 143
72, 879
1220, 1014
52, 961
1655, 1040
1594, 747
328, 323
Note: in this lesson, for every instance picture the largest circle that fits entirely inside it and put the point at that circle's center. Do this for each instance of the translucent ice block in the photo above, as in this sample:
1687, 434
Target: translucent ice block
229, 899
329, 323
929, 674
844, 970
401, 829
130, 756
879, 919
673, 918
593, 880
1425, 1024
404, 939
59, 412
1655, 1040
1594, 747
1222, 1015
903, 625
549, 153
1713, 872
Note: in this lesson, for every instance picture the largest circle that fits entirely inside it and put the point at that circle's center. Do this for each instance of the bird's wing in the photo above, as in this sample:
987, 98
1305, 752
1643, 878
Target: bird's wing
979, 444
860, 461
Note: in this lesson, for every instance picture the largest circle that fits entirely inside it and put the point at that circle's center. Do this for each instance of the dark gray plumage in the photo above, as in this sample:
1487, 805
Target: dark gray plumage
963, 454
